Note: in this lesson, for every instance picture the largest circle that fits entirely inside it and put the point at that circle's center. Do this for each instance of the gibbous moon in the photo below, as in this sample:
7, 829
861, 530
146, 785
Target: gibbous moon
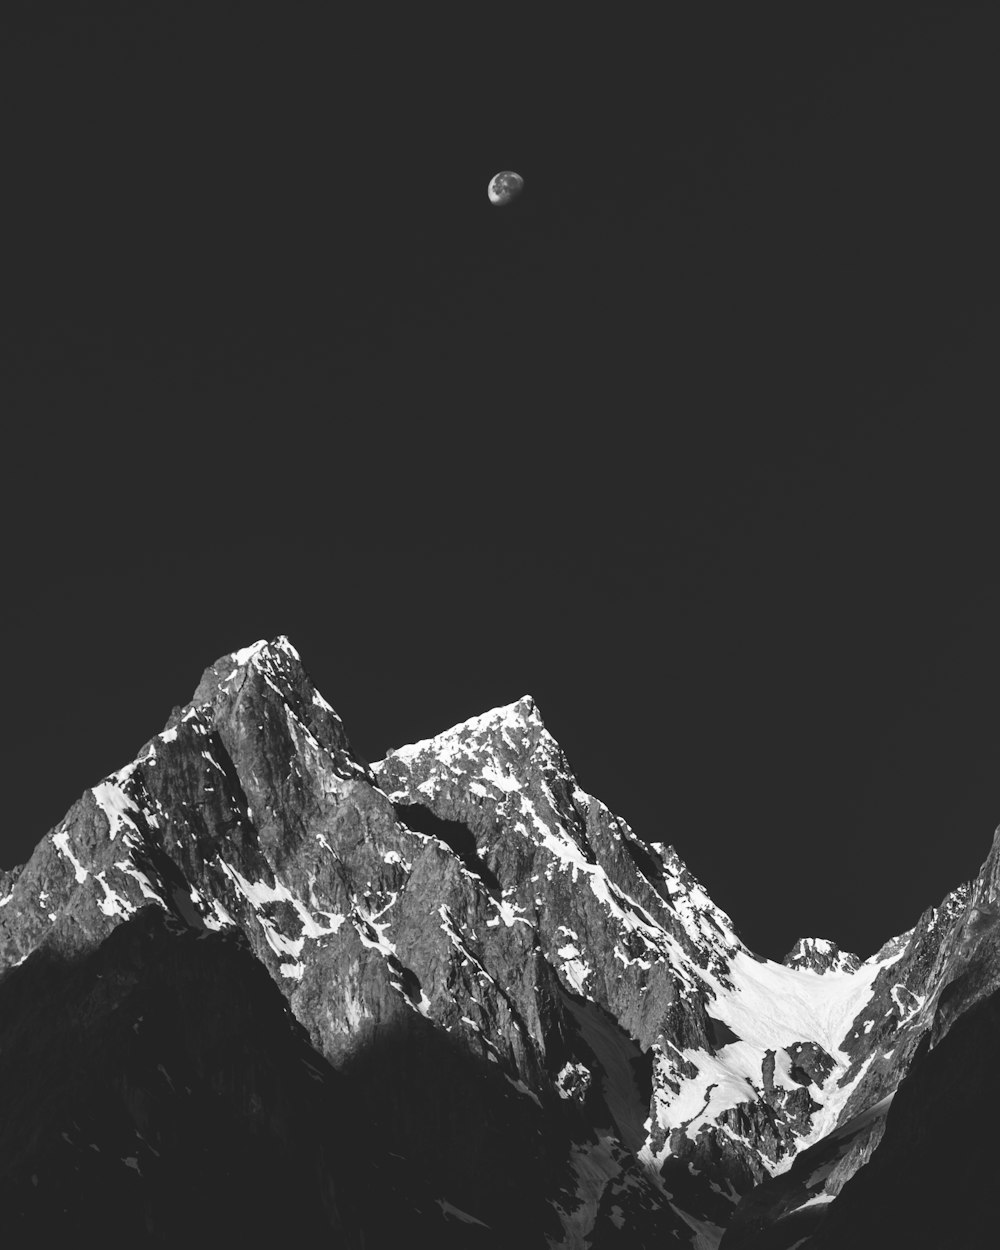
505, 187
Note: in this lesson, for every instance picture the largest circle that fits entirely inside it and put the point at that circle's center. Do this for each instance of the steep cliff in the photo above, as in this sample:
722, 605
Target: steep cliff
554, 1036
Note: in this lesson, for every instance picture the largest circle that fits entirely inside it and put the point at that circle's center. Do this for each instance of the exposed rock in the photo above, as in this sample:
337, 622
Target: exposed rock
820, 955
932, 1181
547, 1017
157, 1091
784, 1209
931, 976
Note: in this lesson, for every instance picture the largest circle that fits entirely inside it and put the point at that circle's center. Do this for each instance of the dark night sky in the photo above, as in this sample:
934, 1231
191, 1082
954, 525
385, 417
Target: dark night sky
694, 442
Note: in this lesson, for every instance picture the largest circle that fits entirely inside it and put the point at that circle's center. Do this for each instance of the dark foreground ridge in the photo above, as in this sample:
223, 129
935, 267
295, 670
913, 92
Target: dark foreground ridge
253, 987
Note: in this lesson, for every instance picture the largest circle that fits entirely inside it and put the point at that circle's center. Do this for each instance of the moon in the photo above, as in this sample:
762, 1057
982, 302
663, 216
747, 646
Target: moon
505, 187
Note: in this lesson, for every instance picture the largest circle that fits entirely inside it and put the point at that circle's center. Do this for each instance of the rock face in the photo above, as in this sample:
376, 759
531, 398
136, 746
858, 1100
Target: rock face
528, 1026
932, 1180
820, 955
173, 1083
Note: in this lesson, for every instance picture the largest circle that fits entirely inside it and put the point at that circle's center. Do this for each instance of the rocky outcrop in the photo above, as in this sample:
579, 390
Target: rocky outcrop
820, 955
547, 1015
784, 1209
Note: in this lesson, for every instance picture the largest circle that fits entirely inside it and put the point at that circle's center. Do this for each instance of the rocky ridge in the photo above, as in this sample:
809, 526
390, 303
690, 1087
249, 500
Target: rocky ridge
546, 1016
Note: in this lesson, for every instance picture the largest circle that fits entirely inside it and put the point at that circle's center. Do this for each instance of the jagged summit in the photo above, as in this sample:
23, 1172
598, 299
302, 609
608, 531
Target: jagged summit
462, 925
279, 644
820, 955
511, 728
275, 658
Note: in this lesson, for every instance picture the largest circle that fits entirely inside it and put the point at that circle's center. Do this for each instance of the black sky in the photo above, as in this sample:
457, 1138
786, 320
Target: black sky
694, 442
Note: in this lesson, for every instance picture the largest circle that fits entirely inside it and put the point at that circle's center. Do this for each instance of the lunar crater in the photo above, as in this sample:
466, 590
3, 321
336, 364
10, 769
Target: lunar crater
504, 187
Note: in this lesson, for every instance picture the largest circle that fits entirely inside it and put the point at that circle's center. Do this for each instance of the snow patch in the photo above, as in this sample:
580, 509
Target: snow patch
258, 893
116, 806
112, 904
61, 841
907, 1003
449, 746
768, 1006
506, 914
145, 885
773, 1006
247, 654
573, 968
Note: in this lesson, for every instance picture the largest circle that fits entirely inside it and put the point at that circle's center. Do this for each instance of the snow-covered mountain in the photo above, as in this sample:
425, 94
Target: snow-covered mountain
536, 1027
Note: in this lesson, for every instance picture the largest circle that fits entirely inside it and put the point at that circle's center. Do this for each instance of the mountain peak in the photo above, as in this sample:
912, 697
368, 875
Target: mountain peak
461, 925
256, 650
275, 660
820, 955
511, 731
522, 712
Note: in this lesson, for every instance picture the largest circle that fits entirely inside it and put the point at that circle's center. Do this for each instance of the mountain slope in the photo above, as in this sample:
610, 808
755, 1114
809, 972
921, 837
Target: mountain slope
548, 1013
932, 1180
150, 1085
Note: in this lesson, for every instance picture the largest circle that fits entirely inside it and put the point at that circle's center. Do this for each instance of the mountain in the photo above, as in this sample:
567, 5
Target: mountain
449, 994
